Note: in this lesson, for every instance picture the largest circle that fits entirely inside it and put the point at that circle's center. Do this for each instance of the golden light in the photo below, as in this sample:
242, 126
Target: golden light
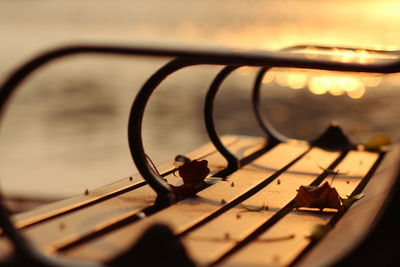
347, 56
349, 84
363, 56
321, 82
282, 78
297, 80
358, 93
316, 86
343, 55
268, 77
246, 70
372, 81
335, 90
337, 85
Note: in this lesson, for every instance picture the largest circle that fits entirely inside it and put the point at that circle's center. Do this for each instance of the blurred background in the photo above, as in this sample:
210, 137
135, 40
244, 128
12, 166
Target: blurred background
66, 128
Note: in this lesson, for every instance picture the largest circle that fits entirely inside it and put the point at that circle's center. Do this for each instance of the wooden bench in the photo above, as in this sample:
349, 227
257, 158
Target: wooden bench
243, 215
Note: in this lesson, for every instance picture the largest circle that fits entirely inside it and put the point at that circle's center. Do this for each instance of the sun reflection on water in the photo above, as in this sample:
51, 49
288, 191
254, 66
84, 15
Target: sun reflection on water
320, 83
353, 85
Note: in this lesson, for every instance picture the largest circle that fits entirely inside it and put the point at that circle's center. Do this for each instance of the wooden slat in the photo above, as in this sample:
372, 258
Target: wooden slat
299, 224
186, 213
61, 231
200, 243
53, 209
206, 239
351, 229
86, 219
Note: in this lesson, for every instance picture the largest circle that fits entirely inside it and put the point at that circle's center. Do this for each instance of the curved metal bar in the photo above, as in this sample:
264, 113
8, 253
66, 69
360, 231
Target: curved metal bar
25, 254
193, 57
209, 57
324, 47
164, 192
274, 136
233, 161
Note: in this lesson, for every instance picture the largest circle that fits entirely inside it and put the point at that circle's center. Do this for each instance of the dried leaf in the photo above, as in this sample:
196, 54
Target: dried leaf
153, 166
193, 174
331, 171
61, 226
350, 200
182, 159
227, 236
377, 142
319, 197
275, 239
254, 209
213, 180
319, 231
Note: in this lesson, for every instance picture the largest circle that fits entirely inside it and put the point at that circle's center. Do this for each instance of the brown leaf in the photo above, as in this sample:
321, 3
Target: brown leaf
193, 174
319, 197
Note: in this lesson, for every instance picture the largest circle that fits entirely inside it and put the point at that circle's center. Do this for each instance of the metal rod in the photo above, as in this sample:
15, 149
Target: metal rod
233, 161
273, 135
324, 47
165, 195
188, 57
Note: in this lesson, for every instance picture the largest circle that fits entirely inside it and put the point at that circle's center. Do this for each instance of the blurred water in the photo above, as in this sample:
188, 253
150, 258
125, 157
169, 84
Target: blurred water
66, 128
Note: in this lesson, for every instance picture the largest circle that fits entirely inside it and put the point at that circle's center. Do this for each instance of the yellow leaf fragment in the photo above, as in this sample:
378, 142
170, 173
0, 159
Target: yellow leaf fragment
319, 231
377, 142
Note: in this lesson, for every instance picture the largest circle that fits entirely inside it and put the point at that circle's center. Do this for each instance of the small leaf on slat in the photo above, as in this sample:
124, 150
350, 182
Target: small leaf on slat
319, 197
350, 200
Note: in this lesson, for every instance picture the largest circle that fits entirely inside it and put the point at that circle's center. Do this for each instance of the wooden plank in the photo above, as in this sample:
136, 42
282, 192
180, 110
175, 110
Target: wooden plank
90, 218
359, 219
187, 213
61, 231
201, 243
299, 224
53, 209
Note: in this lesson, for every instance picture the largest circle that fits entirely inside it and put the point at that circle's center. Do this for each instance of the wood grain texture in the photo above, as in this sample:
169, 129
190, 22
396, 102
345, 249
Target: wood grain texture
56, 232
300, 223
50, 210
201, 242
212, 223
352, 228
188, 212
61, 231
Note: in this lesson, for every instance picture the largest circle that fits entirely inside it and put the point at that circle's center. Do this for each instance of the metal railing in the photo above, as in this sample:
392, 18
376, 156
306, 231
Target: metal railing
182, 58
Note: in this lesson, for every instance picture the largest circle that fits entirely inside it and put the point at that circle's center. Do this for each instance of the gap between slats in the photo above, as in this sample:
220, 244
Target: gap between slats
84, 224
297, 224
190, 212
122, 186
